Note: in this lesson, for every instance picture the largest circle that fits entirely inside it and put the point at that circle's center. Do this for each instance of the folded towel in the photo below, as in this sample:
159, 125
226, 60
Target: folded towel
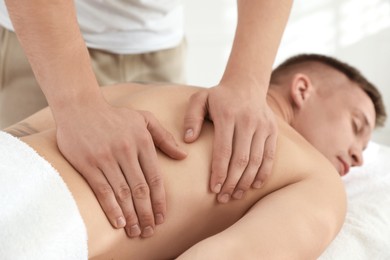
365, 234
39, 218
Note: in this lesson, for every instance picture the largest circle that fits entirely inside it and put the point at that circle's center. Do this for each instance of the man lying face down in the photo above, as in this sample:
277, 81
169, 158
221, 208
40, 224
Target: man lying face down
326, 113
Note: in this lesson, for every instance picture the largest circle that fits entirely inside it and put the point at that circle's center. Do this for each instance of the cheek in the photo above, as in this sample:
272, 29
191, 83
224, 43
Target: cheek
338, 138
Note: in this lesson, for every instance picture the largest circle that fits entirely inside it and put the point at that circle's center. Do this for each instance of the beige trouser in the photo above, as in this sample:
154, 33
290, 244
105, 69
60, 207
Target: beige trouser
21, 96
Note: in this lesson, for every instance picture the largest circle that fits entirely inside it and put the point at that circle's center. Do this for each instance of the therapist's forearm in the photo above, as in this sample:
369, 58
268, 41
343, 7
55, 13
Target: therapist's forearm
49, 34
259, 30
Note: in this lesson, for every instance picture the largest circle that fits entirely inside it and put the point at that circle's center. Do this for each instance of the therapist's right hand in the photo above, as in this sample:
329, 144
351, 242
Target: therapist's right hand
114, 150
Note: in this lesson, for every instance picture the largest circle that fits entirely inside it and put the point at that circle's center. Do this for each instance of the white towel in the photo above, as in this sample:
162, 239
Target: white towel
39, 218
366, 232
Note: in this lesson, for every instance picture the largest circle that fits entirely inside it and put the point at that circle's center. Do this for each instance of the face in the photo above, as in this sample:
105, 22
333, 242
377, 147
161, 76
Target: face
339, 125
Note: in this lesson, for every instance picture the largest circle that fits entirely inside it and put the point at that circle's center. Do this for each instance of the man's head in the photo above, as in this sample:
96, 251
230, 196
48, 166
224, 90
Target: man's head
333, 106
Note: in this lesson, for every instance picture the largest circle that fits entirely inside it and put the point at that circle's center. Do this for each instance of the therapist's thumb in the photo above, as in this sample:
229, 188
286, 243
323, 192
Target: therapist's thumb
194, 116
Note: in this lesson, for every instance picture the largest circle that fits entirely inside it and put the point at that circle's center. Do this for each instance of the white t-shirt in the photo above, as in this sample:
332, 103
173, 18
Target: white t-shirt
125, 26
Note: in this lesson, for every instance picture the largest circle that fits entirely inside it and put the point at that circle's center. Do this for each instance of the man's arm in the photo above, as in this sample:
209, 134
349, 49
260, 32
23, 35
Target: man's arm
115, 150
295, 222
245, 128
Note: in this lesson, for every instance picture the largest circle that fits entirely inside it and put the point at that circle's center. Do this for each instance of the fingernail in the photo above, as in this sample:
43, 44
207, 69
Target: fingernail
120, 222
159, 218
135, 230
224, 198
217, 188
257, 184
148, 231
189, 133
238, 194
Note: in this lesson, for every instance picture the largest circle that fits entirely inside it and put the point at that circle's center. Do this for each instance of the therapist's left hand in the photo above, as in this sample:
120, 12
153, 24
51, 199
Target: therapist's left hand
245, 137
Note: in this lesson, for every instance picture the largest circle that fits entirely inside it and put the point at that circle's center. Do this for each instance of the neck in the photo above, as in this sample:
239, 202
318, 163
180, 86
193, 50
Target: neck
280, 105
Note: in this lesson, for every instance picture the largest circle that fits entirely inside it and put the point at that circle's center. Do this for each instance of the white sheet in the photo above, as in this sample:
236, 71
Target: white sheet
39, 218
366, 232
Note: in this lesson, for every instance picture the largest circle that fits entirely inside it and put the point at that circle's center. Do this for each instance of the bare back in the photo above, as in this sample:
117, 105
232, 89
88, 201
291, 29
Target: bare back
193, 213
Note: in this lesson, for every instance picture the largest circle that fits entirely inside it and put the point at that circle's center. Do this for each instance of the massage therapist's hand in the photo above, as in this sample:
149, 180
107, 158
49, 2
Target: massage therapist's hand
244, 139
113, 149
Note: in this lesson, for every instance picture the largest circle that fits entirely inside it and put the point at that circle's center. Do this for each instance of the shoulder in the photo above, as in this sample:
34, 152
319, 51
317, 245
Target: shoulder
300, 155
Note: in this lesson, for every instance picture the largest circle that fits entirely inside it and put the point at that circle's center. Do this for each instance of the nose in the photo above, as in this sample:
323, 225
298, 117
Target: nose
356, 155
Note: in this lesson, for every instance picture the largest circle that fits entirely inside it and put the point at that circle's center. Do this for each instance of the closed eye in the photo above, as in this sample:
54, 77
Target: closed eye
356, 127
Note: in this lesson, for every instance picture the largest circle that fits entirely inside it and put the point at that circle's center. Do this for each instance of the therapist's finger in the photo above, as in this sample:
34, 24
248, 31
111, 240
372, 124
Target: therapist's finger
255, 159
162, 138
139, 187
194, 116
122, 192
222, 152
267, 162
151, 169
106, 197
239, 161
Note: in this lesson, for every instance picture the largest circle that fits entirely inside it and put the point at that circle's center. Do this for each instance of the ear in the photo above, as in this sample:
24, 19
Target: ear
300, 90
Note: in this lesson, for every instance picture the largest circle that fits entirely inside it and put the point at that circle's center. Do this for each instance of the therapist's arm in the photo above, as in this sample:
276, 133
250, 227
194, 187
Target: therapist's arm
245, 128
111, 147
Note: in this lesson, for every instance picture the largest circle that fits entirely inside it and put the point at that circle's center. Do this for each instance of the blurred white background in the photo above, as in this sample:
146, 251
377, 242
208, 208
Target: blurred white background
355, 31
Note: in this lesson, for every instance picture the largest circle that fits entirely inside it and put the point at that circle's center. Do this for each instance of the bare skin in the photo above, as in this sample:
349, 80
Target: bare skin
50, 37
303, 196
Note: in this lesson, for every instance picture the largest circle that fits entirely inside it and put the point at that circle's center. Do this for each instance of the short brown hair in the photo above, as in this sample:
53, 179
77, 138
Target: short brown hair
350, 72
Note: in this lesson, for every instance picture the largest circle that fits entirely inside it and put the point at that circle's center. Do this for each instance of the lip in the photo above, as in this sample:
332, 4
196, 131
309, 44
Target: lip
344, 167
